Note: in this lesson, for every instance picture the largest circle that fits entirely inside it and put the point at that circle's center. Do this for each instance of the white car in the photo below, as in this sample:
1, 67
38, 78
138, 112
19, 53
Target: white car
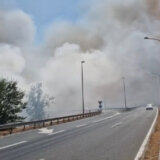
149, 107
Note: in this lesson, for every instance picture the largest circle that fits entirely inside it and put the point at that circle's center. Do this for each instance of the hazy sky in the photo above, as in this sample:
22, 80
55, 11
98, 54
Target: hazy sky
45, 12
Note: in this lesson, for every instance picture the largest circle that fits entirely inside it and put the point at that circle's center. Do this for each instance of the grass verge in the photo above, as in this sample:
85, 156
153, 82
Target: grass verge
152, 152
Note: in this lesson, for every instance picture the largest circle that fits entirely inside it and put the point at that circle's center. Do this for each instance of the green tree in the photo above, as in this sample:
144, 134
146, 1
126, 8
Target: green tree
11, 102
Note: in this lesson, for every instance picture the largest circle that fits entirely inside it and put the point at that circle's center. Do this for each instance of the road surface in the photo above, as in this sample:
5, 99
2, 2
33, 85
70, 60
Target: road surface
112, 135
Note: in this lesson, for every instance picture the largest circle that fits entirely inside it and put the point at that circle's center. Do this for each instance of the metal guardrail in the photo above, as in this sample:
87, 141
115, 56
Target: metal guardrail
51, 121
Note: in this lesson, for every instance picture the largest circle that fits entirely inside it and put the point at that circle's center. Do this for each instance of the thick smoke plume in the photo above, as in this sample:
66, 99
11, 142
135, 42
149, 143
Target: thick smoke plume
109, 37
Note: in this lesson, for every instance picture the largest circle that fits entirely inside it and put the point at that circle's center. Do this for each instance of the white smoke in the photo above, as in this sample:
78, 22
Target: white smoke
16, 27
109, 37
63, 73
11, 59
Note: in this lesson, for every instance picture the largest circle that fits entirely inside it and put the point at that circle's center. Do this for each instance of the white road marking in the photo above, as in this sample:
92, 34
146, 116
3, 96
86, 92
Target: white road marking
144, 144
56, 132
45, 131
42, 159
82, 125
11, 145
117, 124
106, 118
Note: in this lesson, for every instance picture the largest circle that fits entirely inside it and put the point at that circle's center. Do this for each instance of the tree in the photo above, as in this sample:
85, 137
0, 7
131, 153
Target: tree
37, 102
11, 102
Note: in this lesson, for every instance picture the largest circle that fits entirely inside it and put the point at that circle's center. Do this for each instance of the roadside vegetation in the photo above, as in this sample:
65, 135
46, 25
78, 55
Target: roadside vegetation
152, 152
11, 102
38, 101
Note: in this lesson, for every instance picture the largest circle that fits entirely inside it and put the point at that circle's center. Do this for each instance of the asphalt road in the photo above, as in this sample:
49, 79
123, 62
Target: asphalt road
112, 135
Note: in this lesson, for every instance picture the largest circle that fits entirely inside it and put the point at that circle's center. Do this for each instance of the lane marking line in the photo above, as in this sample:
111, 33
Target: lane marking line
82, 125
106, 118
117, 124
56, 132
11, 145
144, 144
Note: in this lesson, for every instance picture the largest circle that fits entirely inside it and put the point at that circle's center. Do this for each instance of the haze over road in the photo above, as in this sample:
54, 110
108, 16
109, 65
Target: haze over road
112, 135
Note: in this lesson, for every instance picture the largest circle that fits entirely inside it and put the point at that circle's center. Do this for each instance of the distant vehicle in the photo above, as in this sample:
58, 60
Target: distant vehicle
149, 107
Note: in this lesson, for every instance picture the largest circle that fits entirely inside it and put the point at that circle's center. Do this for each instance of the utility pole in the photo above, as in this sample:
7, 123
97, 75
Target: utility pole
124, 89
82, 62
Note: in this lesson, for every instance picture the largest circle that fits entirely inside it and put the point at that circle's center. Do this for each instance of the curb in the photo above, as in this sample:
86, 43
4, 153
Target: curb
143, 147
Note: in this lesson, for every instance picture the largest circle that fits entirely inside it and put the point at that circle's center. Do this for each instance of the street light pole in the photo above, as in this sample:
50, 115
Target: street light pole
149, 38
82, 62
124, 89
154, 39
158, 79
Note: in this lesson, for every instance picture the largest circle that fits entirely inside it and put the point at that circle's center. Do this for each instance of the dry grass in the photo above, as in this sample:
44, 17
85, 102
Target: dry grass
154, 143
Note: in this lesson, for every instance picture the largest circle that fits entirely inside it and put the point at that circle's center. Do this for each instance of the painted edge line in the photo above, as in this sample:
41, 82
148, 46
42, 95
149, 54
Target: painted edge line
11, 145
144, 144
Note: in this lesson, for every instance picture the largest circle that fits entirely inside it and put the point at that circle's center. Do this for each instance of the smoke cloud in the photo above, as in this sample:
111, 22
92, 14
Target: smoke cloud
16, 28
11, 59
153, 7
109, 37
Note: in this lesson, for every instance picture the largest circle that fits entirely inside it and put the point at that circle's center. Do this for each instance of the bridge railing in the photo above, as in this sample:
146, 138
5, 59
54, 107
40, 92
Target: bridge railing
42, 123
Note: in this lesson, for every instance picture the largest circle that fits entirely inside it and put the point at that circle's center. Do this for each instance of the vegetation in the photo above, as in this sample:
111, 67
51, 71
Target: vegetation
11, 102
37, 102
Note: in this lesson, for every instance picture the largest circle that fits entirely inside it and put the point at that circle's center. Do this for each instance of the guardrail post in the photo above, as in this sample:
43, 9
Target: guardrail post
34, 126
43, 123
57, 120
24, 127
10, 131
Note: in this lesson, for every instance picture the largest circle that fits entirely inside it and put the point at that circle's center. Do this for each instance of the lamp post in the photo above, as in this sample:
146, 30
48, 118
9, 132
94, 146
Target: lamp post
82, 62
149, 38
157, 75
154, 39
124, 90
